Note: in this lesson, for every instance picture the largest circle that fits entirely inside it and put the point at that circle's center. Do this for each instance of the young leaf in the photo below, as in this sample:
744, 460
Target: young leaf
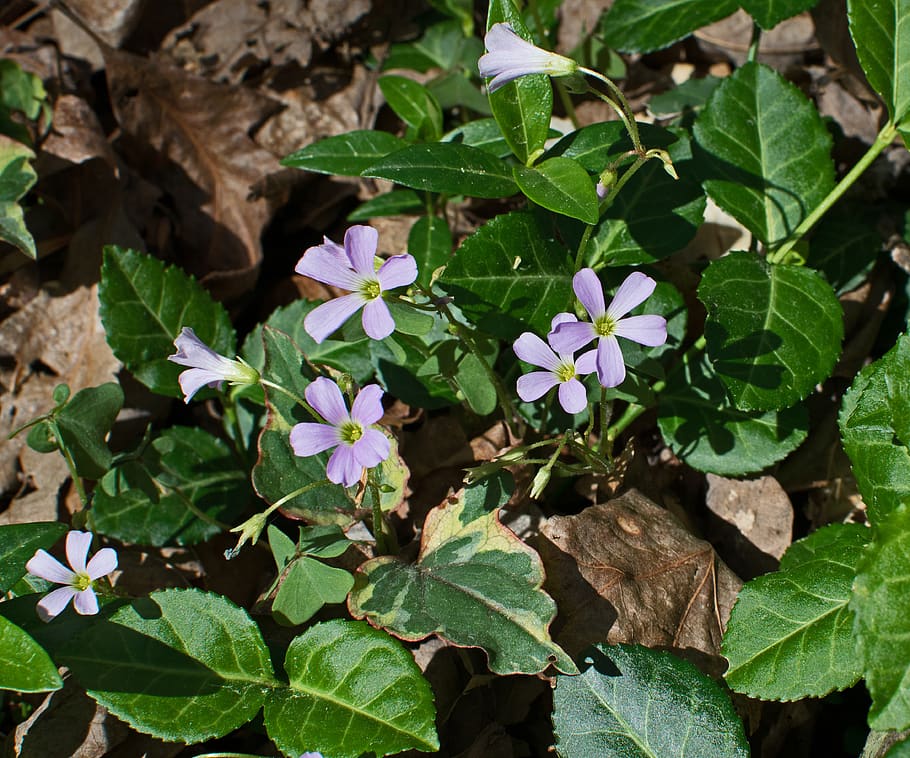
764, 154
26, 665
352, 689
183, 483
634, 701
790, 634
523, 107
430, 242
144, 305
446, 167
345, 154
306, 586
475, 584
18, 543
279, 472
875, 430
882, 626
512, 274
414, 104
703, 429
880, 31
641, 26
773, 331
560, 185
84, 423
182, 665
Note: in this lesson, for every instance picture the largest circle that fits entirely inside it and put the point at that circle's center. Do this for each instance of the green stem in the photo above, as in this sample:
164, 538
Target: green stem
300, 401
378, 520
606, 410
620, 105
70, 464
885, 137
752, 55
567, 103
582, 245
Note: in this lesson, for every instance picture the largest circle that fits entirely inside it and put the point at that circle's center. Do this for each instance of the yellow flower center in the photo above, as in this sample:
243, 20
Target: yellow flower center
605, 326
82, 582
565, 372
370, 289
351, 431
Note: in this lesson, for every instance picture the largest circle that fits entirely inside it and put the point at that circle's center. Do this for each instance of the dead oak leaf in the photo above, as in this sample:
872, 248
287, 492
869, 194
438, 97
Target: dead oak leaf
627, 571
203, 156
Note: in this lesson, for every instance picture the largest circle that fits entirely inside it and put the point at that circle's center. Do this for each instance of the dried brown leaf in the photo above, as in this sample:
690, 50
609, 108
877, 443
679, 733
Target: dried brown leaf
627, 571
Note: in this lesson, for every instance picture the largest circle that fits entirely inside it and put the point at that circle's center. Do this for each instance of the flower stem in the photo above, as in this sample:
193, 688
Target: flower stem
382, 547
620, 105
752, 55
885, 137
300, 401
70, 464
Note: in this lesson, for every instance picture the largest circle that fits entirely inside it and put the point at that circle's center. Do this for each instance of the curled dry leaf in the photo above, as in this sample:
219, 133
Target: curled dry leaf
627, 571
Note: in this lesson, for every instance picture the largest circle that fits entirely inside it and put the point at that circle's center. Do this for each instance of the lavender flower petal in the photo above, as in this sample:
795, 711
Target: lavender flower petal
572, 396
636, 288
52, 604
85, 602
532, 349
568, 337
586, 363
377, 321
194, 379
342, 468
562, 318
77, 545
646, 330
43, 565
325, 397
360, 243
102, 563
327, 318
325, 265
371, 449
192, 351
510, 57
590, 292
611, 371
308, 438
367, 408
535, 385
397, 271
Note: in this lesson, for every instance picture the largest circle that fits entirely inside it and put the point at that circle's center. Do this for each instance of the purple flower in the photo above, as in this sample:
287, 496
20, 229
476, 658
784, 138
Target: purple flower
357, 446
78, 580
608, 323
561, 369
510, 57
206, 366
352, 268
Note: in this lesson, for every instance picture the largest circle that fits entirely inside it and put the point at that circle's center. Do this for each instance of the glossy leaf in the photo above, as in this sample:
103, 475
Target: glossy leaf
702, 428
641, 26
394, 203
773, 331
764, 154
345, 154
523, 107
446, 167
440, 47
157, 497
633, 701
414, 104
691, 95
145, 304
474, 583
352, 689
18, 543
882, 626
881, 33
769, 13
790, 634
456, 91
26, 665
16, 178
279, 472
511, 275
560, 185
84, 423
483, 133
430, 242
182, 665
875, 429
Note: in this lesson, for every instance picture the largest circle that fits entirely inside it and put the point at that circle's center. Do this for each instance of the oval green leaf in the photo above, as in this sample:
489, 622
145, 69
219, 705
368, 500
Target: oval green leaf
560, 185
881, 33
18, 543
430, 242
26, 665
641, 26
414, 104
345, 154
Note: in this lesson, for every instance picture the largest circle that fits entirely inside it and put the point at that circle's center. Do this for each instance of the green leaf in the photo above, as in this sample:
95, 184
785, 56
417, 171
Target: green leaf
83, 425
306, 586
881, 33
446, 167
352, 690
20, 90
483, 134
26, 665
523, 108
430, 242
414, 104
182, 665
474, 383
145, 304
156, 498
18, 543
512, 274
324, 541
560, 185
16, 178
773, 331
790, 634
279, 472
474, 583
641, 703
882, 627
769, 13
457, 91
345, 154
764, 153
874, 429
845, 245
440, 47
703, 429
394, 203
691, 95
351, 356
642, 26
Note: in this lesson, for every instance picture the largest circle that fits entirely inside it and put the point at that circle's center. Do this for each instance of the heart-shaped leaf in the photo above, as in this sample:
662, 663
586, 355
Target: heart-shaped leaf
84, 423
